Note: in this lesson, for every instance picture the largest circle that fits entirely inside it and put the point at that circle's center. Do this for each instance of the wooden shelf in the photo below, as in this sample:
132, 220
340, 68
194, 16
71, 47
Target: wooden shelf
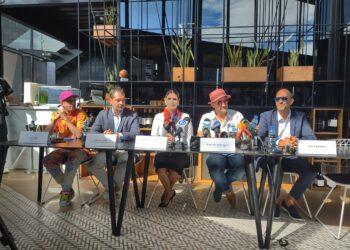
145, 129
326, 133
323, 114
319, 160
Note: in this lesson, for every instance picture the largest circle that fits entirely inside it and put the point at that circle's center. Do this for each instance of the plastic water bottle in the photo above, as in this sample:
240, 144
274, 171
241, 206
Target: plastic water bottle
85, 131
272, 139
32, 126
254, 125
232, 130
255, 122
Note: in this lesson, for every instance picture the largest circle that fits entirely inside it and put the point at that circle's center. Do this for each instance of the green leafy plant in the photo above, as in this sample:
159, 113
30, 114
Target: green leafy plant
234, 55
256, 57
293, 58
110, 15
112, 73
182, 51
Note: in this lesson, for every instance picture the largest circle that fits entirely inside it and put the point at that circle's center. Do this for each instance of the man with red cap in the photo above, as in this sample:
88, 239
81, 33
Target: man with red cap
68, 121
223, 168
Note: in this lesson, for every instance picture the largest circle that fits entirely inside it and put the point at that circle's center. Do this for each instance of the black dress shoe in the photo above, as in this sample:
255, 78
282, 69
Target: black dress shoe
163, 204
277, 214
292, 212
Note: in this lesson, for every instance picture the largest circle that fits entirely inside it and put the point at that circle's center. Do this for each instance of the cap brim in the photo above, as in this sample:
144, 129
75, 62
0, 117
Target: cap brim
228, 96
75, 96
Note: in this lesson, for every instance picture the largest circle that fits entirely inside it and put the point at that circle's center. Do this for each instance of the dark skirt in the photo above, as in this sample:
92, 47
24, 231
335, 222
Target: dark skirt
176, 162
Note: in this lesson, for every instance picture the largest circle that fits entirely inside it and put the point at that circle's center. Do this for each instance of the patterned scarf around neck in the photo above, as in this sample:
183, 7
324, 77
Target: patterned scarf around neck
170, 119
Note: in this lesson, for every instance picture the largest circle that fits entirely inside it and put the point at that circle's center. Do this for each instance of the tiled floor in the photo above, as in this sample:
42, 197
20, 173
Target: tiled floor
180, 226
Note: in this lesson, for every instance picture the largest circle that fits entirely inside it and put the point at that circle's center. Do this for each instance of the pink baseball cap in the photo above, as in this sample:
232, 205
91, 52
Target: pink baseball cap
217, 94
67, 94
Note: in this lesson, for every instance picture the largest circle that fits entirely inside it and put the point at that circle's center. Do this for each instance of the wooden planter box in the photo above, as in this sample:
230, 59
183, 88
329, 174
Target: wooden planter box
295, 73
178, 74
104, 31
244, 74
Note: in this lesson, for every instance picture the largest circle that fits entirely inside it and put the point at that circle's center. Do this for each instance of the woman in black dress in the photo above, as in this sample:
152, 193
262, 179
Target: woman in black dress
169, 166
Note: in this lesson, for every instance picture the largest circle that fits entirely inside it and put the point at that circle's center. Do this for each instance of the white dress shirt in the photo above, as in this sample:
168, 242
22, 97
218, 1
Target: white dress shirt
232, 116
159, 130
283, 127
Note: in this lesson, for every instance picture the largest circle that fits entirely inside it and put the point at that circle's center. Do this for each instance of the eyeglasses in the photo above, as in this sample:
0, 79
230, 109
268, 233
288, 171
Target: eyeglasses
283, 98
222, 101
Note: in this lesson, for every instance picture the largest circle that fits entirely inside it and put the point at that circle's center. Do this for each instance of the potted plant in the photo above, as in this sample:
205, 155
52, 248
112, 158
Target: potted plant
254, 72
183, 52
107, 30
293, 72
111, 73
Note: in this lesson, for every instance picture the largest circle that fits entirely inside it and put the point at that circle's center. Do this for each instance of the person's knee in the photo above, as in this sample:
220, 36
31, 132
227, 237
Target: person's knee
215, 163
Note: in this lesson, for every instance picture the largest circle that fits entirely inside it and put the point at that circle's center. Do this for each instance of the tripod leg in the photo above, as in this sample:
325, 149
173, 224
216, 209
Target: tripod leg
7, 238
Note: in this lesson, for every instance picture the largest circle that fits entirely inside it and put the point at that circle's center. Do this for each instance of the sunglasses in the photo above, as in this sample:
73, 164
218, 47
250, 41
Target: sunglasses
283, 98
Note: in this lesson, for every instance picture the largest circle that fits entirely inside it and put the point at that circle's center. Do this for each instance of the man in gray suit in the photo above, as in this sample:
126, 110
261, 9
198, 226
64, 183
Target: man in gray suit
290, 126
122, 122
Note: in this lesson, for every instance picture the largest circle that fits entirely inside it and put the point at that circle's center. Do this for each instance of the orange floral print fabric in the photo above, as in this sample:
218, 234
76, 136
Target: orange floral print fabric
77, 118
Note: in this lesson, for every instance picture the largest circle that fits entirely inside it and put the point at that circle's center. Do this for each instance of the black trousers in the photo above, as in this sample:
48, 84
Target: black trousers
307, 174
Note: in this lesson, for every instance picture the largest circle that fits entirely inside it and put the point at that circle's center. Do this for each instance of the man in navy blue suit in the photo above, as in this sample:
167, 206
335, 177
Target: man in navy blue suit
291, 125
122, 122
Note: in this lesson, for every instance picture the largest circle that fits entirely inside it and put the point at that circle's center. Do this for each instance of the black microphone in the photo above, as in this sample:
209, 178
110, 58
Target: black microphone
206, 127
181, 125
223, 134
216, 128
170, 128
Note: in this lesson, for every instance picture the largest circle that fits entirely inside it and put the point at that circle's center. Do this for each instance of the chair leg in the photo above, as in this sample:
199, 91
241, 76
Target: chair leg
46, 189
208, 195
245, 197
94, 197
82, 203
342, 214
265, 203
337, 236
152, 194
190, 188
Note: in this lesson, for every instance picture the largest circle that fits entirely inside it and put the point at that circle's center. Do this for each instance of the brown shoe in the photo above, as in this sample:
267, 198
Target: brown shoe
231, 198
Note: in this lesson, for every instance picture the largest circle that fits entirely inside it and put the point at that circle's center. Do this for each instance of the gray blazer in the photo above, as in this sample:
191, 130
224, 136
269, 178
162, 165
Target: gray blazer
299, 125
129, 124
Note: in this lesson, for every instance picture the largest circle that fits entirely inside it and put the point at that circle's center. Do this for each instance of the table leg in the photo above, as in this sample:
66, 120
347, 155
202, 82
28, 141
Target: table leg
40, 173
124, 192
111, 190
250, 171
272, 205
136, 189
145, 179
262, 183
